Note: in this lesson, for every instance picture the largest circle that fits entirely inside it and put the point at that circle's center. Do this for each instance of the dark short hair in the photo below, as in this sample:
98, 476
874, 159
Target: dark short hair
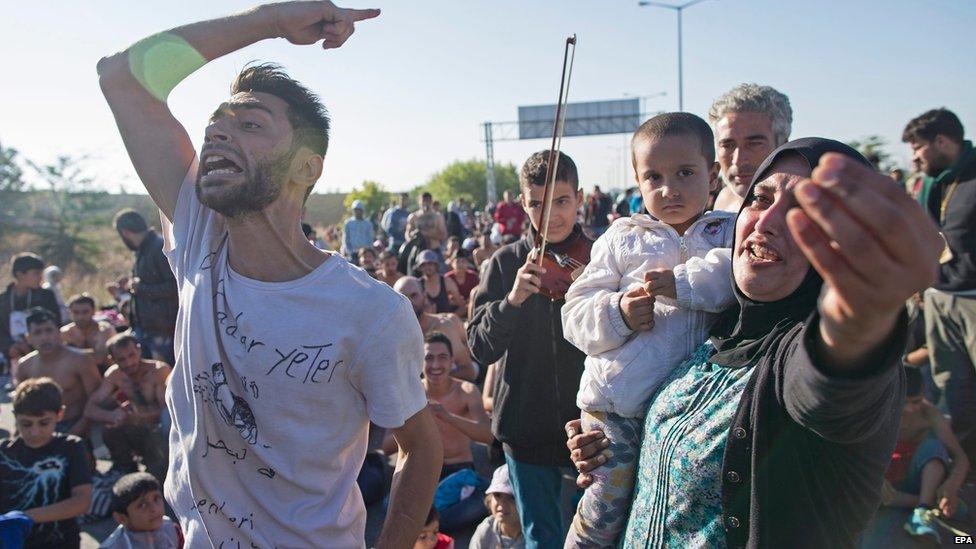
432, 515
913, 381
307, 229
929, 124
366, 249
386, 254
21, 263
39, 315
439, 337
460, 253
676, 123
307, 115
130, 220
131, 487
123, 339
426, 196
82, 298
533, 171
37, 395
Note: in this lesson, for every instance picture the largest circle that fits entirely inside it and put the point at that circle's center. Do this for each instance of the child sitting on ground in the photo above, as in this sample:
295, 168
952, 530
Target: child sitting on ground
45, 479
137, 505
502, 528
928, 466
431, 537
644, 303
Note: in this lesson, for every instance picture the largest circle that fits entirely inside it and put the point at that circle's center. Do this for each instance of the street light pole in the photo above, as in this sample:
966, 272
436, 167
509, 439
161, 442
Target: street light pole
678, 9
681, 82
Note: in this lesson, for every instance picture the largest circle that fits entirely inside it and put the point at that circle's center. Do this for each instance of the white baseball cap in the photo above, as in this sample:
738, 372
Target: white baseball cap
427, 256
500, 483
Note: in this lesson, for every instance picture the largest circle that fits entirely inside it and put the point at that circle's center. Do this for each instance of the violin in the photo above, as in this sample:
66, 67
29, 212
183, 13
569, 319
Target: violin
564, 261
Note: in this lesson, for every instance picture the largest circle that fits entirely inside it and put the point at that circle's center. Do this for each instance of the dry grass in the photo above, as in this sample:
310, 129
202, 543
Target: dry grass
114, 259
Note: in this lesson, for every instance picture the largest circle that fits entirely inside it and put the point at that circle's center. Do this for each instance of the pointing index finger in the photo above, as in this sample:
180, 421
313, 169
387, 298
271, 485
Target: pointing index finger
362, 15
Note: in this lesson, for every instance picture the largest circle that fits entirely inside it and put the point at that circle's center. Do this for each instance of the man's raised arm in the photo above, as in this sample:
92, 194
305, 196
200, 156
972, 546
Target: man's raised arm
137, 82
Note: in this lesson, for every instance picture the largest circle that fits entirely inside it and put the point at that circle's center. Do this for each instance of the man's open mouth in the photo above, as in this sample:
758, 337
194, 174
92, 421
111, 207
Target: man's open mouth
219, 164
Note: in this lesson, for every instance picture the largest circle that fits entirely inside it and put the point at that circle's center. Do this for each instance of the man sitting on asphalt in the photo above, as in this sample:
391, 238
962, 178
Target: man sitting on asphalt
457, 408
73, 370
86, 333
130, 403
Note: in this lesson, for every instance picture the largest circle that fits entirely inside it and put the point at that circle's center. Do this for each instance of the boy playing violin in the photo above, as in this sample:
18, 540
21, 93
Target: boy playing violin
539, 371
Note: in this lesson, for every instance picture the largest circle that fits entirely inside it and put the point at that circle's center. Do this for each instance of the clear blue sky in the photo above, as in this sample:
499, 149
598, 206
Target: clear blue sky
409, 91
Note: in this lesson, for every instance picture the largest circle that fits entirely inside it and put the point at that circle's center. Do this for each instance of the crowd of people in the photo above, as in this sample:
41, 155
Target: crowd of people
729, 367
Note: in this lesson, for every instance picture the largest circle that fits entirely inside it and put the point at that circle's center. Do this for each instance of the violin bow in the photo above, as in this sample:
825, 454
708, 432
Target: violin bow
569, 53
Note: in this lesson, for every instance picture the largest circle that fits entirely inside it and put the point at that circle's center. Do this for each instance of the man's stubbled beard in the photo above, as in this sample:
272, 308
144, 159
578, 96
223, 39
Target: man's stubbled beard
261, 187
940, 163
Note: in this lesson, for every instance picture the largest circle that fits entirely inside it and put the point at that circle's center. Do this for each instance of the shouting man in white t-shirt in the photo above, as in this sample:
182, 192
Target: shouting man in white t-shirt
280, 366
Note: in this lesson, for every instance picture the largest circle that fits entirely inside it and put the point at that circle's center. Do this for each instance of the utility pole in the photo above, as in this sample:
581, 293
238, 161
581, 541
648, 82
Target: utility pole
678, 9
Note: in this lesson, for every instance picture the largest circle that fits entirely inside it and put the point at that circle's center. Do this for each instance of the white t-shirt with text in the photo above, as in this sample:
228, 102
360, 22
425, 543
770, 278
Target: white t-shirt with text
267, 442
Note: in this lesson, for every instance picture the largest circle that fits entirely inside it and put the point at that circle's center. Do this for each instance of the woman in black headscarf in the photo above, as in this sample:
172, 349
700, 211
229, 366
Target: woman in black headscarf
777, 431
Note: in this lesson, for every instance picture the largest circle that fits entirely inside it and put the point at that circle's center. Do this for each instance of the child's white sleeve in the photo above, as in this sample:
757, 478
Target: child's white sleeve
591, 315
705, 283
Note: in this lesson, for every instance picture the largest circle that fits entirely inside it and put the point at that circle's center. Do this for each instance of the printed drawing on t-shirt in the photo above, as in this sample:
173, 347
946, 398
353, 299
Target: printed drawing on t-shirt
34, 486
234, 410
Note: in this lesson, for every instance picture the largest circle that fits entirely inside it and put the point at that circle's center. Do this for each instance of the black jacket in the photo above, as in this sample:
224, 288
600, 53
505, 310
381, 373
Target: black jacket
539, 372
807, 451
157, 299
958, 223
454, 225
36, 298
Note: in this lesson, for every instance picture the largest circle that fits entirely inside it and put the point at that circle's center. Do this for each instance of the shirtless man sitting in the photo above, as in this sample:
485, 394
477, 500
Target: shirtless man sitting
84, 332
427, 222
73, 370
129, 402
445, 323
455, 404
460, 417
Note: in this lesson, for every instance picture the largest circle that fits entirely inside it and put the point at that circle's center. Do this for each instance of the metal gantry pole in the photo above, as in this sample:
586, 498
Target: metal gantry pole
491, 193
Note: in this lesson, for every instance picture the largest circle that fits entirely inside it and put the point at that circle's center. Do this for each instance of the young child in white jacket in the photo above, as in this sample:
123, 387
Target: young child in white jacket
651, 291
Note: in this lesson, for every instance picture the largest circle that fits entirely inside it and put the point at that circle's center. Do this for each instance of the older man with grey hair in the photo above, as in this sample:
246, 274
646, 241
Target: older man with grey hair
749, 121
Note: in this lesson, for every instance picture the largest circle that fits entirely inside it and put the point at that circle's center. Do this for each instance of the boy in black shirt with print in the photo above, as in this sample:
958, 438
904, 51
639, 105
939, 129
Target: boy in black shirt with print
44, 474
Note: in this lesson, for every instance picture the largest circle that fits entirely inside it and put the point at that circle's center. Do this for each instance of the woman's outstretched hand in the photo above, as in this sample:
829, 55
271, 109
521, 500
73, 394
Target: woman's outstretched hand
873, 245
